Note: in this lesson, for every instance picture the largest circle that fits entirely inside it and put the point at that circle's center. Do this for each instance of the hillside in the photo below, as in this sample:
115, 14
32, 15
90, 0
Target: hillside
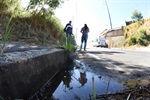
132, 28
31, 24
138, 33
33, 30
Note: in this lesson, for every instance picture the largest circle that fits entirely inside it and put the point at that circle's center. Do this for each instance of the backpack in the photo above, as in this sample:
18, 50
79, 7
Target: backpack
68, 29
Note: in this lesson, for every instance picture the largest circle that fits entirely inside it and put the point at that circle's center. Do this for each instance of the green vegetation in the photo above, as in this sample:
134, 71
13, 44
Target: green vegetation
136, 16
1, 98
8, 32
38, 6
9, 6
137, 33
93, 89
35, 25
70, 46
140, 38
131, 29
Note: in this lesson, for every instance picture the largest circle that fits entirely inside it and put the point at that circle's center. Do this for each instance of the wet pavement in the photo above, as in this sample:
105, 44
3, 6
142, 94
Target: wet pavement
78, 83
82, 80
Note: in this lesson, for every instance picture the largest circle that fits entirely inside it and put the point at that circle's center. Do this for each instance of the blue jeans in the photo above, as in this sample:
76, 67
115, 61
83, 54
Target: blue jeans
68, 35
84, 39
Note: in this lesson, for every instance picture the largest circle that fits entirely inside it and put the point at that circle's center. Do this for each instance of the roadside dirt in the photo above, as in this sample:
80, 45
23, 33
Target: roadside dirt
138, 83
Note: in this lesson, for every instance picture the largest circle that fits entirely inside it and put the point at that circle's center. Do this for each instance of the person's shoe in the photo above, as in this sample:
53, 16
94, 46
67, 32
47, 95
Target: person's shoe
84, 49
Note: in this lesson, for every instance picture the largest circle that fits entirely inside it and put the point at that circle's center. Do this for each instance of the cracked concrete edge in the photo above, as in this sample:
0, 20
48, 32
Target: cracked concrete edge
16, 52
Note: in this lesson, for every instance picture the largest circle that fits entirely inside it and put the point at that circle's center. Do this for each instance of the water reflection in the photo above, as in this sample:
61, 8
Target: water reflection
82, 70
82, 83
78, 83
67, 80
82, 78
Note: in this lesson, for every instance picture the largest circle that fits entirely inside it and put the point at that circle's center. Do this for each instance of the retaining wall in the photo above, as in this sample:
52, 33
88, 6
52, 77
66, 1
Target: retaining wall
115, 42
115, 38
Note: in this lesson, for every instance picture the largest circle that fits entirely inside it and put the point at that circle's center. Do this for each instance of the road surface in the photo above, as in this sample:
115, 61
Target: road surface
118, 63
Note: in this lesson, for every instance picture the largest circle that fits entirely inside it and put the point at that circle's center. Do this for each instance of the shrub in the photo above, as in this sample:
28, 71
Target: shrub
139, 38
131, 40
142, 42
142, 37
70, 46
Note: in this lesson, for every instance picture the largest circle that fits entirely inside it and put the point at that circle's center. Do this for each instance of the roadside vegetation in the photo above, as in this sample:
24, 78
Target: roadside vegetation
35, 24
140, 38
137, 33
8, 32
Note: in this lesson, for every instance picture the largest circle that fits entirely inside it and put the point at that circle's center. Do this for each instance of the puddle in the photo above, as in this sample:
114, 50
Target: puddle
78, 84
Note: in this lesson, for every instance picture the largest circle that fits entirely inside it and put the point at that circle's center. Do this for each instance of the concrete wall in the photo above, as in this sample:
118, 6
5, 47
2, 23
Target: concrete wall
115, 32
115, 42
22, 78
115, 38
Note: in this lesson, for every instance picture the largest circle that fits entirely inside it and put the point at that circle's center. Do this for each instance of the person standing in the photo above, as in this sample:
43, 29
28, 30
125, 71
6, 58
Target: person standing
84, 31
68, 29
82, 78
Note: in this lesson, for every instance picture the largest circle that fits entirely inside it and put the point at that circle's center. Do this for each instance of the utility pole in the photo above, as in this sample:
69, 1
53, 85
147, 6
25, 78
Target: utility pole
76, 20
109, 15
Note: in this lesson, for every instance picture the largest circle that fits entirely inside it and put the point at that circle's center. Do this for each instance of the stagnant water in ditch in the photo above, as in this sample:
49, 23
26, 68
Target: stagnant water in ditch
77, 83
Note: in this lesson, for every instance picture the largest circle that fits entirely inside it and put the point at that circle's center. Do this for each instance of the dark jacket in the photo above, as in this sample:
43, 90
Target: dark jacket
68, 28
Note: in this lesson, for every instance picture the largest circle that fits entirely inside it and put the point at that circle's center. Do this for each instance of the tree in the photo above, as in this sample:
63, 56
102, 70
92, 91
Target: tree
9, 5
136, 16
40, 6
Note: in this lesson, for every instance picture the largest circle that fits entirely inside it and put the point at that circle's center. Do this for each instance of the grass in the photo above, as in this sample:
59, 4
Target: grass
38, 28
93, 88
41, 29
70, 46
7, 34
44, 31
1, 98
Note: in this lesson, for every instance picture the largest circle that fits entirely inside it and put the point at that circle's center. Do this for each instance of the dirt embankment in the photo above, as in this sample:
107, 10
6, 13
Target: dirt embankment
132, 28
32, 30
117, 37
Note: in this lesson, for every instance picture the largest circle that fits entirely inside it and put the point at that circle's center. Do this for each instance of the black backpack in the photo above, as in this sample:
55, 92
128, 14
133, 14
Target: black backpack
68, 29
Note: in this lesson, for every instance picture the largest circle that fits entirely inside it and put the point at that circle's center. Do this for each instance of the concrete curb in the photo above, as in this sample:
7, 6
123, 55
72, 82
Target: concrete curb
24, 72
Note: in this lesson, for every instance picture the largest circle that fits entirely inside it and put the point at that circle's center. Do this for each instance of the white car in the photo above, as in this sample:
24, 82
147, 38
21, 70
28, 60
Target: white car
101, 42
96, 43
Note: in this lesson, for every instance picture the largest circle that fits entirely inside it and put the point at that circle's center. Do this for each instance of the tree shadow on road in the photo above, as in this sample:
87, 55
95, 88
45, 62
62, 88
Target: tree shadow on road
115, 69
104, 52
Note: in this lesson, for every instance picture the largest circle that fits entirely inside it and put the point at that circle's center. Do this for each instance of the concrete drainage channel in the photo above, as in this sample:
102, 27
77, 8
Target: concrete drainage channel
24, 71
34, 72
78, 82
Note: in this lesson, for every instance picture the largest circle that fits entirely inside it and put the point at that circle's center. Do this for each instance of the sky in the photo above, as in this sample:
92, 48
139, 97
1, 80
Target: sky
94, 13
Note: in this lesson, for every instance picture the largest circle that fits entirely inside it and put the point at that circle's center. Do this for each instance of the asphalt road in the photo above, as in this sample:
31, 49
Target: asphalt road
118, 62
